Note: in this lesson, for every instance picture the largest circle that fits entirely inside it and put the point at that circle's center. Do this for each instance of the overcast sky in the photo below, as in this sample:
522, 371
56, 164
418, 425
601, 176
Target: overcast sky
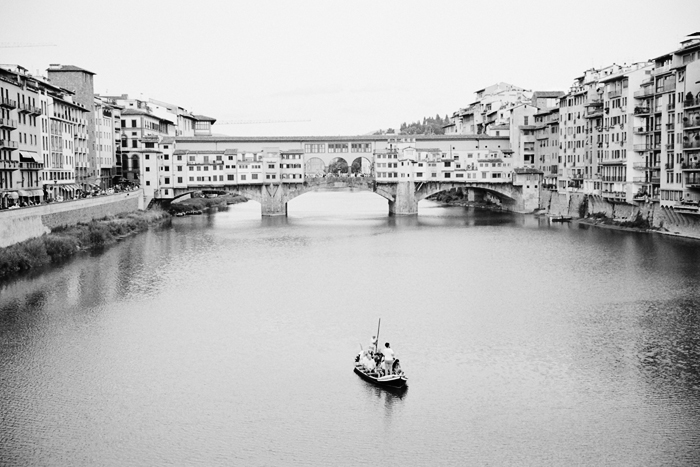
335, 67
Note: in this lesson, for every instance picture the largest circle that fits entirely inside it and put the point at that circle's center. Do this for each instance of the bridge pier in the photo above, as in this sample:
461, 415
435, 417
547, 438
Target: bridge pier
273, 201
405, 202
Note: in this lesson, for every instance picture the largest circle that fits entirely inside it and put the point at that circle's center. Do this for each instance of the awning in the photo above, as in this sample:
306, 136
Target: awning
31, 193
11, 194
27, 156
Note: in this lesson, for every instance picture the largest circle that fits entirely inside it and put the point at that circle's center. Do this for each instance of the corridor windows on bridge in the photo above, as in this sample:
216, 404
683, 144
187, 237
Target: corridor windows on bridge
315, 148
361, 147
338, 147
254, 176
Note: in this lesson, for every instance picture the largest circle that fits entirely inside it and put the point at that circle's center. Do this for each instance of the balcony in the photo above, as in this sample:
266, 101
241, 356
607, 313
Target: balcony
665, 68
614, 93
643, 147
670, 127
667, 87
9, 165
691, 103
691, 145
8, 123
8, 103
7, 144
669, 166
31, 166
643, 166
670, 146
692, 121
594, 103
620, 161
24, 108
687, 208
593, 112
639, 110
640, 130
671, 107
644, 92
691, 167
613, 195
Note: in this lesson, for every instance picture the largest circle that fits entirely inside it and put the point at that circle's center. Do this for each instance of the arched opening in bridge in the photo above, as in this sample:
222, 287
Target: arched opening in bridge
361, 166
338, 165
314, 167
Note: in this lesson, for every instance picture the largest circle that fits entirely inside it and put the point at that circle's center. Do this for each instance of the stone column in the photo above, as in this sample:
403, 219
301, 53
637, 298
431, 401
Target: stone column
273, 200
405, 202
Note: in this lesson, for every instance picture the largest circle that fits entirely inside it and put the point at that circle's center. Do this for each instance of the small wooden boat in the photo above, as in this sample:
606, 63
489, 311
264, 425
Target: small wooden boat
561, 219
388, 381
396, 380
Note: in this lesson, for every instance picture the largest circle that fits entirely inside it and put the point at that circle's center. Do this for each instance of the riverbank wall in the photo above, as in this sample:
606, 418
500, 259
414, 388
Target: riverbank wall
651, 215
18, 225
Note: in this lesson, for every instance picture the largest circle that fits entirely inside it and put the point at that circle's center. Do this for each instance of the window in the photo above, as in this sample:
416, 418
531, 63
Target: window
338, 147
254, 176
133, 123
148, 183
148, 169
179, 179
315, 148
167, 180
230, 177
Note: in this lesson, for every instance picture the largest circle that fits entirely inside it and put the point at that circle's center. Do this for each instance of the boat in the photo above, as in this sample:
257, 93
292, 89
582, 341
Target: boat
389, 382
396, 380
561, 219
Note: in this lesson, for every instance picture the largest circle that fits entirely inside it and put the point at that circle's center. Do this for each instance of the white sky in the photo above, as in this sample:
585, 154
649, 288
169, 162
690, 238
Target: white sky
350, 67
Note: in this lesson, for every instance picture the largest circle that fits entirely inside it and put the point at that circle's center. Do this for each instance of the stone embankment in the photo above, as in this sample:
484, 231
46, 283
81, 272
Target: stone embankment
17, 225
595, 210
68, 240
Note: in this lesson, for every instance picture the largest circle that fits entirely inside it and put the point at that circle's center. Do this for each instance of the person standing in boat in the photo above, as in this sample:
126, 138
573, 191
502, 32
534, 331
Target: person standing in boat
373, 345
388, 358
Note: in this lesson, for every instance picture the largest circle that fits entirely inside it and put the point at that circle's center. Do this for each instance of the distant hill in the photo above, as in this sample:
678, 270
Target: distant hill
429, 126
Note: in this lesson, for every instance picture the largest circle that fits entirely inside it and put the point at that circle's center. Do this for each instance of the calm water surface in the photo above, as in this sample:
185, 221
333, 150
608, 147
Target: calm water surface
228, 339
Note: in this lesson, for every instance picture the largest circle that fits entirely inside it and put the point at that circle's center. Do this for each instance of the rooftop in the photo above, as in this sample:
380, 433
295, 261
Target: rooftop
204, 118
54, 67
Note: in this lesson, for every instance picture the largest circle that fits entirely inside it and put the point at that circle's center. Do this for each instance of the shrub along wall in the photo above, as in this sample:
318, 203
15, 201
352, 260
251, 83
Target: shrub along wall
22, 224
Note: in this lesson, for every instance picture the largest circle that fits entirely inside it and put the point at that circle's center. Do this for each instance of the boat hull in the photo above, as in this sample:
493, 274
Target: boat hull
392, 382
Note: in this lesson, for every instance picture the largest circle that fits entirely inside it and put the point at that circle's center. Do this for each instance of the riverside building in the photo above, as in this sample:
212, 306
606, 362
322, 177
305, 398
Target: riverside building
23, 136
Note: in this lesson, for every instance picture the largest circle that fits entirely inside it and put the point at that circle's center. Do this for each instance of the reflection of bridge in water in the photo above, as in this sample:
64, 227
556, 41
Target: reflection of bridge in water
403, 196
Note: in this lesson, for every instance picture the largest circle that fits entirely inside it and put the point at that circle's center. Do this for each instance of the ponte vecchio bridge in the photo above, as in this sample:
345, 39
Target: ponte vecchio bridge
403, 170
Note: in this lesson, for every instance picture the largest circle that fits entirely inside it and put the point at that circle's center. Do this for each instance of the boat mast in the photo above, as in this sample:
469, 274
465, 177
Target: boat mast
376, 347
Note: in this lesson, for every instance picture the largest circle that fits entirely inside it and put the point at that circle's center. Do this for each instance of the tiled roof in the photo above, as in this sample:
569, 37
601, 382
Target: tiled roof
168, 140
547, 94
204, 118
68, 68
229, 152
526, 170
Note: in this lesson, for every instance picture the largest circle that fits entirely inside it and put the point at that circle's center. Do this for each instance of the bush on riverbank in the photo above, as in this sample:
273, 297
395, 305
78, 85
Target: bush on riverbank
64, 242
200, 204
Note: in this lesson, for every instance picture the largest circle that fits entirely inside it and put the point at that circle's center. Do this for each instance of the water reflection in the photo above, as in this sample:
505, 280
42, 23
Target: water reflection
226, 335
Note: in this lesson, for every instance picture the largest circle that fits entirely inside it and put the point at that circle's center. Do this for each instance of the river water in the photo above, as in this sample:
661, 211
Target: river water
228, 339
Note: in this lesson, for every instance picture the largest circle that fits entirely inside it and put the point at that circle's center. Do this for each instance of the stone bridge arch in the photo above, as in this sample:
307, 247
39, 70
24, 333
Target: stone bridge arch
503, 191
